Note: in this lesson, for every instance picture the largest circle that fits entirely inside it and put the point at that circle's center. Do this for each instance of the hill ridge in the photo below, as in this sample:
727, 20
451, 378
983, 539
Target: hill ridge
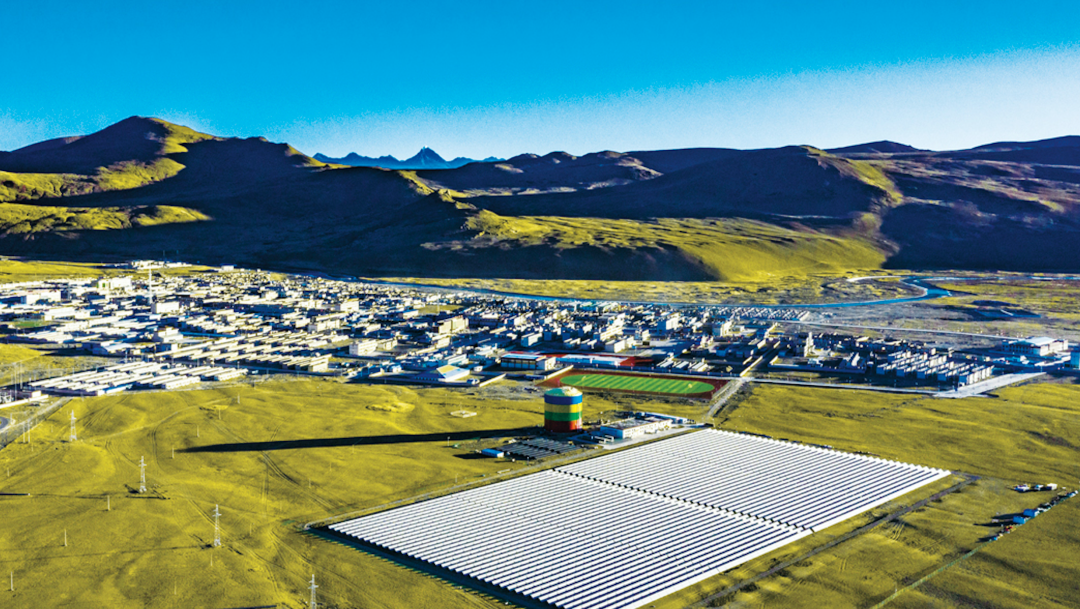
143, 185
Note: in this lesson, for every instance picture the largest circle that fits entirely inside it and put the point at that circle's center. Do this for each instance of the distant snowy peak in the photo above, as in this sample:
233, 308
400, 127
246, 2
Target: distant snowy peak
425, 159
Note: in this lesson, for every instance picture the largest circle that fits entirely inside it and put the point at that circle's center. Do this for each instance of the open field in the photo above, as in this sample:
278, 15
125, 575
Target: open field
636, 384
278, 454
14, 270
807, 289
1052, 297
271, 456
1029, 433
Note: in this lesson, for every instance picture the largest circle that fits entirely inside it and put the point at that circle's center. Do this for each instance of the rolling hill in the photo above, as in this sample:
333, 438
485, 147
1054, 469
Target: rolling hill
143, 186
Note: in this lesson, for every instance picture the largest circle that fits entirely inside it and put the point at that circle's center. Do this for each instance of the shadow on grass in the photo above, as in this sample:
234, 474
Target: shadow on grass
453, 436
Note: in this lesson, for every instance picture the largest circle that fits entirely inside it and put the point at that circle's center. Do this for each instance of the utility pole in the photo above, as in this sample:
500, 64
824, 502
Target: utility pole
313, 604
142, 475
72, 437
217, 526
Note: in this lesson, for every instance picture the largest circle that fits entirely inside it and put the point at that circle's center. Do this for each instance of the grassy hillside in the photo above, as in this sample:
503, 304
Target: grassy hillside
669, 215
726, 249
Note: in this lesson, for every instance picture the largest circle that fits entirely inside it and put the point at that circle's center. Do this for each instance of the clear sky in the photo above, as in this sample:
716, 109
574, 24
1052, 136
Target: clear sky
471, 78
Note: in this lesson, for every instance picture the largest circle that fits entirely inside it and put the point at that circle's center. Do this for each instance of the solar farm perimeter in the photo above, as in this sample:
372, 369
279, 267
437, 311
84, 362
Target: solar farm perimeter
637, 383
623, 530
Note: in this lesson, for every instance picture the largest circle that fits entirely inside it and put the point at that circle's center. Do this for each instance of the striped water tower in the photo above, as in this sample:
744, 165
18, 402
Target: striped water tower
562, 410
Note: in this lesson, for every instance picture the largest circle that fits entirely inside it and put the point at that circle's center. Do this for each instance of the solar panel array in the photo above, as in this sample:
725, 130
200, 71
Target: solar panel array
571, 542
622, 530
538, 448
793, 484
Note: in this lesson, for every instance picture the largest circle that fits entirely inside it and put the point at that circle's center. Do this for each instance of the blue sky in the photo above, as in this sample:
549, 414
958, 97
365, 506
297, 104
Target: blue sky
501, 78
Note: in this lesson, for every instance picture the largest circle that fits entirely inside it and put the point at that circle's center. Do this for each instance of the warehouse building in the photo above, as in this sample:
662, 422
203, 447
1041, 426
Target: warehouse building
1036, 346
633, 428
527, 361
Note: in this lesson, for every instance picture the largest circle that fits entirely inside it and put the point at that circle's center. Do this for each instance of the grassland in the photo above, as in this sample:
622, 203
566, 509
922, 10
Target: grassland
17, 271
276, 454
810, 289
1028, 433
1052, 297
271, 456
728, 249
19, 219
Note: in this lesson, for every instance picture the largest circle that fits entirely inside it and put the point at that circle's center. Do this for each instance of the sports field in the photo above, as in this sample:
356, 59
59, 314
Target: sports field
645, 384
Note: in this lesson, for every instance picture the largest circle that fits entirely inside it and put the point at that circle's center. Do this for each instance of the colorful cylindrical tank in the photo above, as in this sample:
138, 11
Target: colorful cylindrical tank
562, 410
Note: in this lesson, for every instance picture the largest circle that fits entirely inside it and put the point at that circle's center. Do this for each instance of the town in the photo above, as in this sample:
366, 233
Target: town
162, 326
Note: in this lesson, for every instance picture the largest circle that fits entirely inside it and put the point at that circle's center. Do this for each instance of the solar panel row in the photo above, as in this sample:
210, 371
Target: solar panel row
794, 484
571, 542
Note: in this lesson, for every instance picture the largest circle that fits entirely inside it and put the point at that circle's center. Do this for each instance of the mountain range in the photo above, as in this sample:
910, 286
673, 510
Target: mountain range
143, 186
425, 159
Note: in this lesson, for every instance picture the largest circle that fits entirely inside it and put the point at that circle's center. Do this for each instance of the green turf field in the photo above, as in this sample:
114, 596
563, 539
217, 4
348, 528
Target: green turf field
636, 383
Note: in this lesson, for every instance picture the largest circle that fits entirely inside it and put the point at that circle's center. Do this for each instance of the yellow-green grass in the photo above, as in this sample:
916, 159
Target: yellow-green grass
17, 218
1029, 433
1030, 568
635, 383
358, 447
19, 270
120, 176
729, 249
1053, 298
13, 354
810, 289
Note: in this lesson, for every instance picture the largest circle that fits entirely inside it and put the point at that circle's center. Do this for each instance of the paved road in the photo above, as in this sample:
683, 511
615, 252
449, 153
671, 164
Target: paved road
990, 384
842, 386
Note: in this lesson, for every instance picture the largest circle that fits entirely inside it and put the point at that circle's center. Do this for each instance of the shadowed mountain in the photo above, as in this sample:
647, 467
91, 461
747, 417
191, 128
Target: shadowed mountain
144, 185
882, 147
553, 172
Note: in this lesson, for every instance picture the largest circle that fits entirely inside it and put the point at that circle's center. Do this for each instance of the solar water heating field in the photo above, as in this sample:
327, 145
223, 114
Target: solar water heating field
623, 530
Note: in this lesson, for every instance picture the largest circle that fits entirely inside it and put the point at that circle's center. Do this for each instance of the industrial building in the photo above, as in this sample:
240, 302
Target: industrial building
686, 508
633, 428
527, 361
442, 374
1036, 346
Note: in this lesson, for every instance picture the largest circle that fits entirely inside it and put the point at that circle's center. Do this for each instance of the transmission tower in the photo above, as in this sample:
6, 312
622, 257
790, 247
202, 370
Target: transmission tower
142, 475
72, 437
313, 586
217, 526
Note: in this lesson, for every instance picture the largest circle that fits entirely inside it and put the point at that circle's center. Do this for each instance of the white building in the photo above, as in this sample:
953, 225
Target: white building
634, 428
163, 307
1038, 346
363, 347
